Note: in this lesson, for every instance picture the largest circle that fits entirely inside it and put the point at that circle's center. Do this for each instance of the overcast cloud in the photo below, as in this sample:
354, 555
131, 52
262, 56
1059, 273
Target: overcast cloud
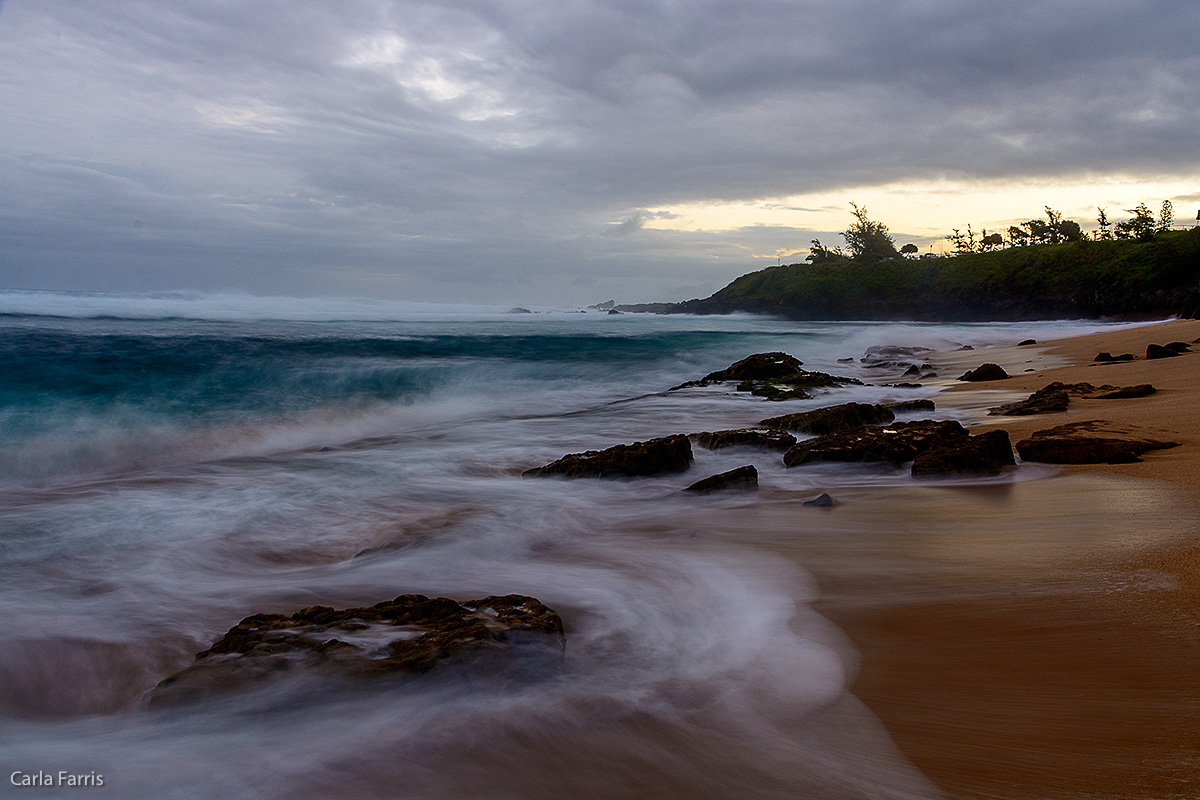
515, 151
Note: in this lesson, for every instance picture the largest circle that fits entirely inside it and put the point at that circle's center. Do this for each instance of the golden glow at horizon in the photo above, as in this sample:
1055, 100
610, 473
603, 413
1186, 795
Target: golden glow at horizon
929, 211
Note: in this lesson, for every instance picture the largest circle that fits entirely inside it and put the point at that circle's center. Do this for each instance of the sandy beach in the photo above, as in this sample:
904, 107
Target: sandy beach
1040, 638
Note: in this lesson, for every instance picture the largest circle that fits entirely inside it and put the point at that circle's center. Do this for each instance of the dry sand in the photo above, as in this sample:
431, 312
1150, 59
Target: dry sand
1036, 639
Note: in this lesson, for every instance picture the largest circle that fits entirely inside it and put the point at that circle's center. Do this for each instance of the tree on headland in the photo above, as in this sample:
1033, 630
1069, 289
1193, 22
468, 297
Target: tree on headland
1140, 226
1166, 217
1104, 231
867, 239
909, 249
819, 253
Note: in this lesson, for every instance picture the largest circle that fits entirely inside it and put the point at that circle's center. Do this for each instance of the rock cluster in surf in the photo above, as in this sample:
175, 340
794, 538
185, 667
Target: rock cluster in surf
494, 637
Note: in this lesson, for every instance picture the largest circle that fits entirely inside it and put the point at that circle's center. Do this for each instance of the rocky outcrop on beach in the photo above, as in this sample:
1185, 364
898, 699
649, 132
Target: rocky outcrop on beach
651, 457
497, 636
1106, 357
983, 454
832, 418
896, 443
1050, 399
1090, 442
744, 437
1124, 392
984, 372
1056, 396
741, 478
1167, 350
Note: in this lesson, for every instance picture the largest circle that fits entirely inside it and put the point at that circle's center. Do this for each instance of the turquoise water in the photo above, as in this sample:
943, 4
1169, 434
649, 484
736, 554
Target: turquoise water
170, 464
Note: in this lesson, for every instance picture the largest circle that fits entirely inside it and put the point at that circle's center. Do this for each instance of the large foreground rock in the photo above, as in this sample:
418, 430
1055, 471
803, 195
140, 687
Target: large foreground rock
744, 437
405, 637
1094, 441
832, 418
652, 457
896, 443
983, 454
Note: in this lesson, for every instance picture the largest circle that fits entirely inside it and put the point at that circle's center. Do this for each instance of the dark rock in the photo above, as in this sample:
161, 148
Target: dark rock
795, 385
758, 367
771, 391
890, 355
401, 638
896, 443
904, 385
741, 478
519, 310
744, 437
912, 370
1126, 392
1160, 351
1047, 400
846, 360
1054, 397
1106, 357
910, 405
831, 418
1026, 342
822, 500
667, 454
983, 454
1179, 347
613, 311
966, 347
984, 372
1088, 442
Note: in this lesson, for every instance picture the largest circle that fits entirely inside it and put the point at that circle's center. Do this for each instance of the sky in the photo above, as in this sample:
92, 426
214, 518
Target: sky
563, 151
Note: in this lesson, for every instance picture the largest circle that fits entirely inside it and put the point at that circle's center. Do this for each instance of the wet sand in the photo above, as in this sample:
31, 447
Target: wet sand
1039, 639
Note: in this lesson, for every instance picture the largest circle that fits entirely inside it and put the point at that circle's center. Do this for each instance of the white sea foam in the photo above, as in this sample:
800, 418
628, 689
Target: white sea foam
130, 538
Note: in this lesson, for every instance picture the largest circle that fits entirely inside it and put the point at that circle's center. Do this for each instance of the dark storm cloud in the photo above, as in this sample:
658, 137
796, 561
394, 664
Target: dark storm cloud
515, 150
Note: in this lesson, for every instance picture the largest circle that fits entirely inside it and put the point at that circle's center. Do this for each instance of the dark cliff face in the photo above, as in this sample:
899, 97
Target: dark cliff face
1122, 279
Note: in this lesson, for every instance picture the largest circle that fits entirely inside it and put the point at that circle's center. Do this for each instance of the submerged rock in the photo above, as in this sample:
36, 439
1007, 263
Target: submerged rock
823, 500
832, 418
890, 355
1094, 441
984, 372
741, 478
896, 443
652, 457
983, 454
911, 405
1026, 342
405, 637
795, 385
744, 437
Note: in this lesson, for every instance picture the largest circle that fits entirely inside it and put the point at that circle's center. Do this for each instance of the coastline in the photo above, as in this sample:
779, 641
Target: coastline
1037, 638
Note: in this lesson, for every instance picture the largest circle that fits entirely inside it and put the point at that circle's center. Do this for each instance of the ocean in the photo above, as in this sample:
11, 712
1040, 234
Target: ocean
170, 464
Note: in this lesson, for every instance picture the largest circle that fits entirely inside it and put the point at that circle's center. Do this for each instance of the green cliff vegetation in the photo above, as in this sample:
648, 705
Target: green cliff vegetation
1044, 268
